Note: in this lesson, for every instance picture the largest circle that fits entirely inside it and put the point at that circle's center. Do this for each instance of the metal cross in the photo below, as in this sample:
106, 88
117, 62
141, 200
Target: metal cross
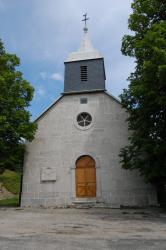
85, 19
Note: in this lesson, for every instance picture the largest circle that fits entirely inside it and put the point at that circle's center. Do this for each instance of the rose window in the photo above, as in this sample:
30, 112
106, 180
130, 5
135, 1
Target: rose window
84, 119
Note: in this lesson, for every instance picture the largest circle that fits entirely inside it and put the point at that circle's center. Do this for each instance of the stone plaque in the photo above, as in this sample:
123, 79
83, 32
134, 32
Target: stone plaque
48, 174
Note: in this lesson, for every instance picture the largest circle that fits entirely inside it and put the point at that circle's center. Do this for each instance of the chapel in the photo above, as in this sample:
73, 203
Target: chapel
74, 157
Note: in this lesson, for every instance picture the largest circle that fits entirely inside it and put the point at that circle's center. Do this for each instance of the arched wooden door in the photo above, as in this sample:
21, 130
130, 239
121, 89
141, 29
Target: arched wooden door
85, 177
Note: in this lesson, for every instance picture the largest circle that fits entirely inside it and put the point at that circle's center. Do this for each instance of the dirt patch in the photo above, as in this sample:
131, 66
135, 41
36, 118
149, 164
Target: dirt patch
4, 193
78, 229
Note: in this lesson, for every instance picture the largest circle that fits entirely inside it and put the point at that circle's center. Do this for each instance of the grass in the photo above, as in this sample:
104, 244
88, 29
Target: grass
11, 181
10, 202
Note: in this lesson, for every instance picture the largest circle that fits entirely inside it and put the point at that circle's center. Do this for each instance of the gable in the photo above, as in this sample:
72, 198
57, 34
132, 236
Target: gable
44, 113
49, 108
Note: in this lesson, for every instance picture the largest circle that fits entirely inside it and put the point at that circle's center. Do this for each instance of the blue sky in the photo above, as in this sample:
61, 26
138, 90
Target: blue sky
43, 32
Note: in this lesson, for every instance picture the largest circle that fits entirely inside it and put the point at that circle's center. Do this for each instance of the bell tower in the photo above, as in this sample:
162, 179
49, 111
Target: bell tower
84, 68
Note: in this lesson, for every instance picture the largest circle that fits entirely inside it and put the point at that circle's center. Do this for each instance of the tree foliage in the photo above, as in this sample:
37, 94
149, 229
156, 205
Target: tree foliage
145, 98
15, 126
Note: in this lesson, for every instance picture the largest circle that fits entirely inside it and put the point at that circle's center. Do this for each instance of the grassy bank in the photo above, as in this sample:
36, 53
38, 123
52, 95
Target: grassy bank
11, 181
10, 202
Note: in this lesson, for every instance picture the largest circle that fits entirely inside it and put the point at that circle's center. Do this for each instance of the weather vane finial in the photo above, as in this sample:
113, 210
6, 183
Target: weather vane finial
84, 20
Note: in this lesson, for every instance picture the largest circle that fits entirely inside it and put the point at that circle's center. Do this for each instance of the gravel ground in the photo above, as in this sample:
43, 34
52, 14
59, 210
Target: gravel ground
70, 229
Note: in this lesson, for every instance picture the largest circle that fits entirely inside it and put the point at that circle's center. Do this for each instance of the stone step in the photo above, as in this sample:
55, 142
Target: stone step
84, 202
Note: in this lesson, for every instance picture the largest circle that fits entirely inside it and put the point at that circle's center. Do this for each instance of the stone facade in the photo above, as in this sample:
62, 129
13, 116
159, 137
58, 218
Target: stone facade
49, 165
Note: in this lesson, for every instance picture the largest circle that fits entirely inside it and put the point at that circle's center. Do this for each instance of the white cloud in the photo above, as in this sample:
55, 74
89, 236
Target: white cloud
43, 75
56, 77
40, 92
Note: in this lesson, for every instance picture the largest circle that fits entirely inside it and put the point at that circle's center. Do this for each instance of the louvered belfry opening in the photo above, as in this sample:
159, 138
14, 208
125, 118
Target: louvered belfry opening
84, 74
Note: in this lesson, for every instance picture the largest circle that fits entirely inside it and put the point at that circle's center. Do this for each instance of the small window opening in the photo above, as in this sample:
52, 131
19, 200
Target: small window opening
84, 76
83, 100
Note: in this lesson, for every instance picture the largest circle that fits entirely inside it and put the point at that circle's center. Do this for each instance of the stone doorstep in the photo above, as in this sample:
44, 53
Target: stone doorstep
84, 201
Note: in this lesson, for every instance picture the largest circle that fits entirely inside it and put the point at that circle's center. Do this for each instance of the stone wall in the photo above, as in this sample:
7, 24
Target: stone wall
49, 165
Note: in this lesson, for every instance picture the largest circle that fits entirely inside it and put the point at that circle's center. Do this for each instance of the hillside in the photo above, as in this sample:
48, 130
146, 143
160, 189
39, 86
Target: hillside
9, 188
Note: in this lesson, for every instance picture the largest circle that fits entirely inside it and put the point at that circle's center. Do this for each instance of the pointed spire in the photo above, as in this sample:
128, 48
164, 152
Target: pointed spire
86, 44
86, 50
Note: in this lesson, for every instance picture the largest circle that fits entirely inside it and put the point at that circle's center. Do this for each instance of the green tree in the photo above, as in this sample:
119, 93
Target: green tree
15, 126
145, 98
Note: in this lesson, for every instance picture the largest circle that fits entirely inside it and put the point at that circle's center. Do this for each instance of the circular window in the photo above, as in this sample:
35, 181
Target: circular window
84, 119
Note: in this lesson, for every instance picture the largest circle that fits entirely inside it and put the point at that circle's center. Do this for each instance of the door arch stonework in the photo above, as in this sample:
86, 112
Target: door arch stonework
85, 177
